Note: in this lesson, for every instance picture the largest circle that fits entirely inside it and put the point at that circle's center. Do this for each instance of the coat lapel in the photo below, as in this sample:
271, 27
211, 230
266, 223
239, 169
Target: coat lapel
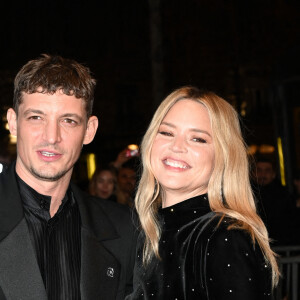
19, 273
100, 270
11, 211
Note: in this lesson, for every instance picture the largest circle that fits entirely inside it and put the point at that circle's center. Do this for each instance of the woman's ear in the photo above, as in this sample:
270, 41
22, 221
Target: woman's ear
91, 130
12, 121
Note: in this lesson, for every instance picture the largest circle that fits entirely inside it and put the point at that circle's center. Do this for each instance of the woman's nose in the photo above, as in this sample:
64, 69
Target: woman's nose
178, 144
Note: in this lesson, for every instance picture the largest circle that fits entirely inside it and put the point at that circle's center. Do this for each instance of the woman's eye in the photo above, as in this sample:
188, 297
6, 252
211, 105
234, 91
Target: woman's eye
165, 133
199, 140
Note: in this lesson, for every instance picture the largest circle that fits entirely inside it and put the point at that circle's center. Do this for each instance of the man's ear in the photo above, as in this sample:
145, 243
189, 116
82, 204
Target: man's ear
91, 130
12, 121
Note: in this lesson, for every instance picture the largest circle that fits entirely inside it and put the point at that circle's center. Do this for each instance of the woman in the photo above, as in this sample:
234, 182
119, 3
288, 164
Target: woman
202, 237
103, 184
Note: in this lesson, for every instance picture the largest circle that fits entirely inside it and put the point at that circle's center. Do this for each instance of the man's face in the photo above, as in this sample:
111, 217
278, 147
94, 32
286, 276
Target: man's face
126, 180
50, 130
264, 173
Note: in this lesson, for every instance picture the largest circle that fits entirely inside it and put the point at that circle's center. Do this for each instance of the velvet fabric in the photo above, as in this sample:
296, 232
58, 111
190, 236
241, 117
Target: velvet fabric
201, 259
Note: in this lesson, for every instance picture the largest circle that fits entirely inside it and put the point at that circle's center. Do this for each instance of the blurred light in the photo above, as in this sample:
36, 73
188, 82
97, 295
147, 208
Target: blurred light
281, 161
91, 164
12, 139
252, 149
243, 108
266, 149
6, 126
133, 147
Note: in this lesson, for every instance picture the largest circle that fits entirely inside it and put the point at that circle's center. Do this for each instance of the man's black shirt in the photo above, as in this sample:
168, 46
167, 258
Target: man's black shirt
56, 240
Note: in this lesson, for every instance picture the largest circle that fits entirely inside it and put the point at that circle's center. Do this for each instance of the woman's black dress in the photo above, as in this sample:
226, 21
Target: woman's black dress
201, 259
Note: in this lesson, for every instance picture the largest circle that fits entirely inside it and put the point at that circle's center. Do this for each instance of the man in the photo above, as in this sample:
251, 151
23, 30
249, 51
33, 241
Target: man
126, 184
125, 168
274, 202
55, 241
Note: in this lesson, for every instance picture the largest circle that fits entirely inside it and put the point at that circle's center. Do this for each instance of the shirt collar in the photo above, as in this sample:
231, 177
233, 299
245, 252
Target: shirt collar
36, 201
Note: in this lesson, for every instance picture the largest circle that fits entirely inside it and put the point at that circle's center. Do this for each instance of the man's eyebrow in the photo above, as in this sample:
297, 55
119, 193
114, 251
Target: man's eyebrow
40, 112
70, 115
192, 129
34, 111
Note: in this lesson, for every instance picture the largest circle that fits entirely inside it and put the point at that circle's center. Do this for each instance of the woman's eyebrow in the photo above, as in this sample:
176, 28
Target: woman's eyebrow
192, 129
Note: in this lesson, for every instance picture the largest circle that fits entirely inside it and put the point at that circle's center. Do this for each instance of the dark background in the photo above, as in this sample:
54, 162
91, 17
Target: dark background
139, 51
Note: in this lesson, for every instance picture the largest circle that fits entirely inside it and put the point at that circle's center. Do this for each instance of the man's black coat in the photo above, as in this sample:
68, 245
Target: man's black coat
107, 247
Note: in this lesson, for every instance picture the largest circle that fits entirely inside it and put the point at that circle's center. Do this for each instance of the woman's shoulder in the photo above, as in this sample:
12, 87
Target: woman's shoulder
235, 263
221, 236
224, 230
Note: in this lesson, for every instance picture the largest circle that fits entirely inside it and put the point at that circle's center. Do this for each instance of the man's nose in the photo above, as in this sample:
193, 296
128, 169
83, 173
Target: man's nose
52, 132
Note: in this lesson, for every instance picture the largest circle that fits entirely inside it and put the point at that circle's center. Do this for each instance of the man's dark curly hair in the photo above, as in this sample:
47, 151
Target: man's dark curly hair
48, 74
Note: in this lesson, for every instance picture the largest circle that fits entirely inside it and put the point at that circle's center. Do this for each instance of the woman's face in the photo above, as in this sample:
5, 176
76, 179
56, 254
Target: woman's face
105, 183
182, 155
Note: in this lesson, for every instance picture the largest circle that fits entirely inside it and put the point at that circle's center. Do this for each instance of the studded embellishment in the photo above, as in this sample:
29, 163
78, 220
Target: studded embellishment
110, 272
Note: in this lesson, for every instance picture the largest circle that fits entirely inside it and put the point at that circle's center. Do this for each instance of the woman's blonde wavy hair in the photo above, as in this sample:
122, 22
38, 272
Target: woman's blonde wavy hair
229, 179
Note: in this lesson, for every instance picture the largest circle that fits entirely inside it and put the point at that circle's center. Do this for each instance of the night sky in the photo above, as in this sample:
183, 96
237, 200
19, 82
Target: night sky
239, 49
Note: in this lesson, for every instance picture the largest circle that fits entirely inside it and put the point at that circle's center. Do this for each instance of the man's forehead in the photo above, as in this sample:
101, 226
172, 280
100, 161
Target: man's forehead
52, 103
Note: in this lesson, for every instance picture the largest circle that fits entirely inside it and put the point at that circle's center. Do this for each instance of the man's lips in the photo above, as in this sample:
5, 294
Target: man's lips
178, 164
49, 155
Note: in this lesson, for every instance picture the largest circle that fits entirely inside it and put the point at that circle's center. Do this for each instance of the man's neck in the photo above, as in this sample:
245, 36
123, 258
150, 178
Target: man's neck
55, 189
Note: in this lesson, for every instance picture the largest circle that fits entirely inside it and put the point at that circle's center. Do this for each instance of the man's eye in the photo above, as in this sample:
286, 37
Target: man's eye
70, 121
199, 140
165, 133
34, 118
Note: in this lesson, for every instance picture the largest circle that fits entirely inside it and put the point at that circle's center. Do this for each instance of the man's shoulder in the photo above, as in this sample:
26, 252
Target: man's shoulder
4, 169
120, 216
111, 208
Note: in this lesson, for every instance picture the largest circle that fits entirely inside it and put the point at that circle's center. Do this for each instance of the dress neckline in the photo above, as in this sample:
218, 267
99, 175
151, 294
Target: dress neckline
194, 202
184, 212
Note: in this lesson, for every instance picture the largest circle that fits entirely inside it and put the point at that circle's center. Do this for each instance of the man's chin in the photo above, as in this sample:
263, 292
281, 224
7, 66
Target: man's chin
48, 176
